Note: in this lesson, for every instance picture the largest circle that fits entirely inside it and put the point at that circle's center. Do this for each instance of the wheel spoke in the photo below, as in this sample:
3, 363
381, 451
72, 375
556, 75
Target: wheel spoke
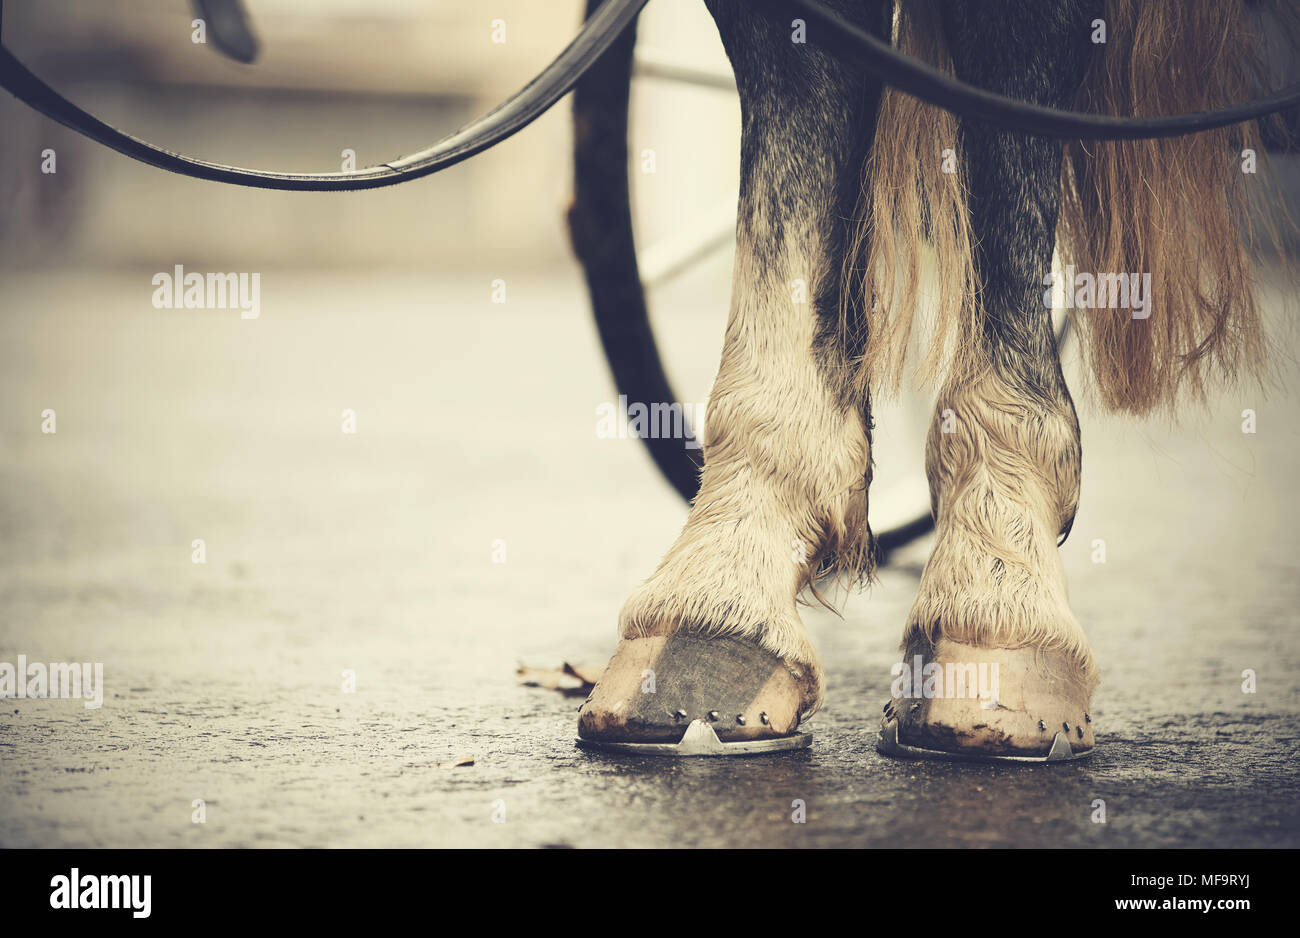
675, 255
654, 64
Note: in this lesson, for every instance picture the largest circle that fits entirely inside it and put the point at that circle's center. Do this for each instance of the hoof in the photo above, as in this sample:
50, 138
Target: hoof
1036, 707
700, 740
727, 691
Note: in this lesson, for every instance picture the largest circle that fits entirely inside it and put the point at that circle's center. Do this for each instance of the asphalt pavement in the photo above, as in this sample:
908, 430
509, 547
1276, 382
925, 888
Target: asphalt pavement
340, 671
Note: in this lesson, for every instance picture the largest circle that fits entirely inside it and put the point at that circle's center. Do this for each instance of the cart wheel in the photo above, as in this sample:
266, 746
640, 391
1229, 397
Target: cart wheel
600, 226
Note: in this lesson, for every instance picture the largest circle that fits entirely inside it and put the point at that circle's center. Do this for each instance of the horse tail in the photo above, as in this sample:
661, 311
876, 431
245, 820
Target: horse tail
1191, 212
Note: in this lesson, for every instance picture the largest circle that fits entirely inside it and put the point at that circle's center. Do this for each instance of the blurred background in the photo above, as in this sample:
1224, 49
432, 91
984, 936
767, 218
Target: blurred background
474, 520
379, 77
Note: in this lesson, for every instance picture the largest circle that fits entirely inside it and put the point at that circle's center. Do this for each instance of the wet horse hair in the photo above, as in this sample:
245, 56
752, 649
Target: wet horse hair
1189, 211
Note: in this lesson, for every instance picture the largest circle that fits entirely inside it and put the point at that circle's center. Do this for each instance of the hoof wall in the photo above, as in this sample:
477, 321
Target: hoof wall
988, 705
888, 743
657, 689
700, 740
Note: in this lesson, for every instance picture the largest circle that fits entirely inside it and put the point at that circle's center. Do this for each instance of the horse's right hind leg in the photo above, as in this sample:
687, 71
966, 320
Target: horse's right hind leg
1015, 672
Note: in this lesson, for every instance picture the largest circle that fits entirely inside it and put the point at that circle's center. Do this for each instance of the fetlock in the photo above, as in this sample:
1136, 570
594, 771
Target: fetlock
1004, 472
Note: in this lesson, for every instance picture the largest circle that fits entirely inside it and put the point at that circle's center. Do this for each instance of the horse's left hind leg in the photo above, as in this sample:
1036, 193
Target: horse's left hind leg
712, 643
1015, 672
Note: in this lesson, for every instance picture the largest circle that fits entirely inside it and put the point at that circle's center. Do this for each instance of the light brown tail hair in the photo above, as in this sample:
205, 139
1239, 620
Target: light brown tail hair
1180, 209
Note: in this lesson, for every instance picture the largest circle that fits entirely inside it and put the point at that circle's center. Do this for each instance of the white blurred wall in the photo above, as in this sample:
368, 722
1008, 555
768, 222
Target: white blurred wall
380, 77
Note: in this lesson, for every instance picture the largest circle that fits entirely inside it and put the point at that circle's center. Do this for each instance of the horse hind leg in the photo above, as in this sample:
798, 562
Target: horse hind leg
714, 636
1014, 670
